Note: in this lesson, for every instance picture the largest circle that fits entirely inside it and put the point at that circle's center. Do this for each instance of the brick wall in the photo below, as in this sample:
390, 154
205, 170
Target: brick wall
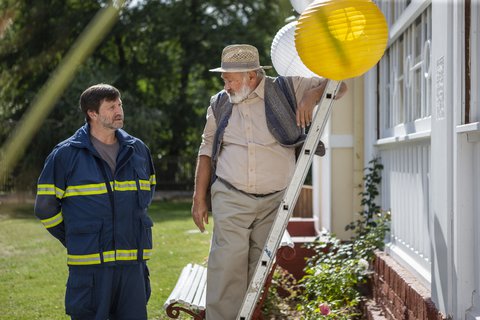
399, 294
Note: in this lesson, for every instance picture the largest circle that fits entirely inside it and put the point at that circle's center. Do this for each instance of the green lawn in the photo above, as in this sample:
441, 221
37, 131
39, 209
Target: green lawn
33, 269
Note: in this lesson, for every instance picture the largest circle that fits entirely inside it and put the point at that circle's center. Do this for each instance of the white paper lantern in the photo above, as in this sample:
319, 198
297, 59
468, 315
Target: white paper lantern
285, 58
300, 5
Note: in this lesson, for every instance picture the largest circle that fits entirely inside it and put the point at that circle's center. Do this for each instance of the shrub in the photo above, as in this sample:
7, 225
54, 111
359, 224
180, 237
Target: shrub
282, 297
338, 272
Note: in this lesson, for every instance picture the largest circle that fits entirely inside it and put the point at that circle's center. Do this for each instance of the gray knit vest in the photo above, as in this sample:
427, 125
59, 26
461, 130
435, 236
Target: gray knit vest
280, 107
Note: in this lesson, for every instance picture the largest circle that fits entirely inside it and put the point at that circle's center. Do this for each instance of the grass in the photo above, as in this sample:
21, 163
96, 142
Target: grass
33, 269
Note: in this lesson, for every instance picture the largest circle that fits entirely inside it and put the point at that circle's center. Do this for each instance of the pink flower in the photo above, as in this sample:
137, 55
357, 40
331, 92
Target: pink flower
324, 309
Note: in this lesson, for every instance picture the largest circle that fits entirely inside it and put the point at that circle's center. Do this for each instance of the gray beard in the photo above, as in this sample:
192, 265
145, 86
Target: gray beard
240, 96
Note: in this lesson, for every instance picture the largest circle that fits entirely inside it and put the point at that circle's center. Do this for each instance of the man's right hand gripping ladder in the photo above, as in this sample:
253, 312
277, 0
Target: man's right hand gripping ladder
289, 200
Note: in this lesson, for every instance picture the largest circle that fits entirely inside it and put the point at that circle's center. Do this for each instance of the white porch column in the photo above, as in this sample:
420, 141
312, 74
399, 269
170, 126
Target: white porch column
442, 227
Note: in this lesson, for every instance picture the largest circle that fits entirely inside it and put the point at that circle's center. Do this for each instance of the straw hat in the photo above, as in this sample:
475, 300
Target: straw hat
239, 58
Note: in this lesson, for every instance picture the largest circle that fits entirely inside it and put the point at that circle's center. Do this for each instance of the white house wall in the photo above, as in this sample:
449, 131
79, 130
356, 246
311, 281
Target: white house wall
431, 179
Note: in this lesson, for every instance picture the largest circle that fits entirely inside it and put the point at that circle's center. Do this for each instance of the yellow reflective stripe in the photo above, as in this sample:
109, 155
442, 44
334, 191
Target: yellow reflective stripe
59, 192
109, 256
85, 190
49, 190
127, 254
46, 189
147, 254
97, 188
153, 180
53, 221
83, 259
125, 185
144, 185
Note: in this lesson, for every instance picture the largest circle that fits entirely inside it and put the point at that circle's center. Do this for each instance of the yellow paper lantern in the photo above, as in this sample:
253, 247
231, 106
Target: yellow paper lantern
341, 39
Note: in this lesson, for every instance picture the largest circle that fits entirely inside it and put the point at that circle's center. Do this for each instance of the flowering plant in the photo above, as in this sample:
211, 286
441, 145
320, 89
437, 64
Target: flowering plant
339, 270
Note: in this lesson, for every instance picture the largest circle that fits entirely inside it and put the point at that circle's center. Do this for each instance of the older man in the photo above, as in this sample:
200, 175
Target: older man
247, 157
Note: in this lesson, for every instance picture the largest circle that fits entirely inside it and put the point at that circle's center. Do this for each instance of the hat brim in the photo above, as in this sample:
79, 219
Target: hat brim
220, 69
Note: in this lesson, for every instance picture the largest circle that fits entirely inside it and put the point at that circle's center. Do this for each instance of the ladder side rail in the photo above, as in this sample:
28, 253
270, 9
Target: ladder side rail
288, 203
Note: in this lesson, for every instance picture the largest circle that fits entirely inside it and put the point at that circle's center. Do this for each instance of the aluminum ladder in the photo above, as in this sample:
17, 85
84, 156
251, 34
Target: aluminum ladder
289, 200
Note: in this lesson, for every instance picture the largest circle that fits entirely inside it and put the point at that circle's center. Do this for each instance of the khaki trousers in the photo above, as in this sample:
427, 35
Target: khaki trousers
241, 225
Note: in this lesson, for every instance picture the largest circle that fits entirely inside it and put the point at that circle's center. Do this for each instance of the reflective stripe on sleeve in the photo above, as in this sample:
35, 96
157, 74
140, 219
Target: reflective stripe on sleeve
53, 221
147, 254
49, 190
153, 180
145, 185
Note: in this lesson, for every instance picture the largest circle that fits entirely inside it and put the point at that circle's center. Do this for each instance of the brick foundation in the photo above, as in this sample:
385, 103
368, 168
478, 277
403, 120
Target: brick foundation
399, 294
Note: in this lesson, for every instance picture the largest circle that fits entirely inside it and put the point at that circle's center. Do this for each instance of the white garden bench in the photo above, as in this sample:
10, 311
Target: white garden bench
190, 291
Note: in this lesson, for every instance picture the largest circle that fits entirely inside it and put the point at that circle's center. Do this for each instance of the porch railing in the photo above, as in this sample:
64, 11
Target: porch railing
405, 192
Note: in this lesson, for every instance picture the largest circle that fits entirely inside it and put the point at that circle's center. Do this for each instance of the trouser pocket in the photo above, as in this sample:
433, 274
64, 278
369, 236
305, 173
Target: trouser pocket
79, 296
145, 240
148, 288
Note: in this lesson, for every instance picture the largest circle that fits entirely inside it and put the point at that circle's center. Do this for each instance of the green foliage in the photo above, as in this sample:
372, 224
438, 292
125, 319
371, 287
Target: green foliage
338, 273
282, 297
368, 217
158, 55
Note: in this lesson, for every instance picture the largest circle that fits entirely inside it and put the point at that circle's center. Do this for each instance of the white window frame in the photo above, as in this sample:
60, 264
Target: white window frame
474, 115
404, 87
405, 70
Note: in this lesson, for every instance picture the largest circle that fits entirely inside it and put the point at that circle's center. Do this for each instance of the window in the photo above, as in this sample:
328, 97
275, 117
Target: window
405, 72
404, 111
472, 72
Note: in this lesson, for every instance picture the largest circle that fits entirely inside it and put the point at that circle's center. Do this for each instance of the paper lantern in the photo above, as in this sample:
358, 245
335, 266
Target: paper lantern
300, 5
341, 39
285, 58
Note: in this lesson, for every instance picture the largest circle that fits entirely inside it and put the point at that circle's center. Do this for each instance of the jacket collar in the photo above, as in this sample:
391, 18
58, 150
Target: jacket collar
81, 138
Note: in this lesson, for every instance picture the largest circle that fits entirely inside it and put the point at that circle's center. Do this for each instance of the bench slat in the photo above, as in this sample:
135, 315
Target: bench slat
181, 282
203, 300
188, 286
199, 299
195, 281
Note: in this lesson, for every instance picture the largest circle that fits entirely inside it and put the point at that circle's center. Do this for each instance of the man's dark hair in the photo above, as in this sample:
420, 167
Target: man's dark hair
92, 98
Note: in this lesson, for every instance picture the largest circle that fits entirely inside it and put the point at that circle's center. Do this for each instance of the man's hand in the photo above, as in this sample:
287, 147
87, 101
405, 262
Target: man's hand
341, 91
200, 213
200, 194
309, 101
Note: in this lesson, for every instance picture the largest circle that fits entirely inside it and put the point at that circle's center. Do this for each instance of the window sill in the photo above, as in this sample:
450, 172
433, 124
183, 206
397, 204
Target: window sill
405, 138
472, 130
469, 127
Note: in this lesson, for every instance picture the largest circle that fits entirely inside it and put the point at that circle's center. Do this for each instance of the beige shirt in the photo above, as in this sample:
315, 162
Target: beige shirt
251, 159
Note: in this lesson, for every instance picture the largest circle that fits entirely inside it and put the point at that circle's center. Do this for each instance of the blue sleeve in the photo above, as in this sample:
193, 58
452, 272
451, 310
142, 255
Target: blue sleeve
153, 179
50, 190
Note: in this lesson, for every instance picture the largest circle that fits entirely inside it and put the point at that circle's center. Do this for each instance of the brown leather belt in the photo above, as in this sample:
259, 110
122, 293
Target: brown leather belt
256, 195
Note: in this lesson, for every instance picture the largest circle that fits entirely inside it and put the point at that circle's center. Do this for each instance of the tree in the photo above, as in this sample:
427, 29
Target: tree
158, 55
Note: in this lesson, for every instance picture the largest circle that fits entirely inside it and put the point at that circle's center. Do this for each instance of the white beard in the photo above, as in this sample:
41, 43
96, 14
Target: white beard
241, 95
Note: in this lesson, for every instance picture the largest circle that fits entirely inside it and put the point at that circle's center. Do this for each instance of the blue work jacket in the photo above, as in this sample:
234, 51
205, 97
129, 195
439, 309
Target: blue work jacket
98, 216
